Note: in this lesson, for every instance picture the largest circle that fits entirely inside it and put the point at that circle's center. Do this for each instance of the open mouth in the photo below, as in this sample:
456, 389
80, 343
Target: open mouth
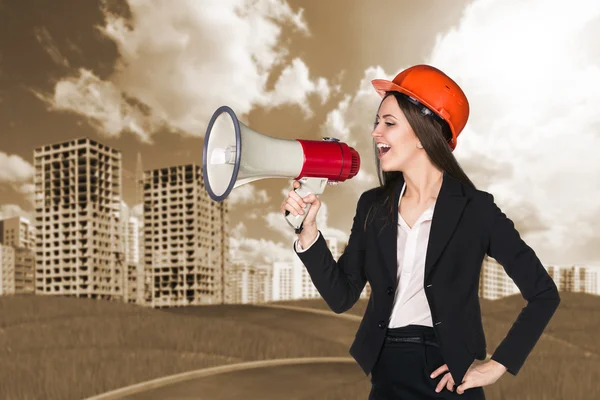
383, 149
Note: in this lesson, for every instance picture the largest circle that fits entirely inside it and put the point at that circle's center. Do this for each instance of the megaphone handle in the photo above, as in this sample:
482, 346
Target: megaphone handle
296, 221
307, 186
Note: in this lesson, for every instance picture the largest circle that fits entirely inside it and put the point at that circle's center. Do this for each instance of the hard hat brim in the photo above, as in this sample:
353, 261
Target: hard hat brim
382, 86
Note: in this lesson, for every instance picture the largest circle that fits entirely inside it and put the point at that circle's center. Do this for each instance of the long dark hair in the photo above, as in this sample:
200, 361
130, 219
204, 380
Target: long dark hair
435, 136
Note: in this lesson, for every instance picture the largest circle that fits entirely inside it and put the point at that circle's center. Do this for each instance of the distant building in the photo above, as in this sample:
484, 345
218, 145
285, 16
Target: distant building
17, 232
186, 248
254, 284
24, 271
573, 278
17, 235
134, 283
494, 283
130, 234
7, 270
78, 195
264, 287
282, 281
132, 237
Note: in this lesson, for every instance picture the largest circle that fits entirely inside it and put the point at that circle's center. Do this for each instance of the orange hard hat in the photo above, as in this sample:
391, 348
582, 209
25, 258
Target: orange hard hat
433, 89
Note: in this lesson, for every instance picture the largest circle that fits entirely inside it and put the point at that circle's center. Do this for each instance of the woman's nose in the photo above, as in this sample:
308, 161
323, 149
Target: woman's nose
375, 132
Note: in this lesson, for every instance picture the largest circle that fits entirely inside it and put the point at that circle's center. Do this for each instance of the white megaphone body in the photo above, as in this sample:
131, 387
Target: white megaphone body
234, 155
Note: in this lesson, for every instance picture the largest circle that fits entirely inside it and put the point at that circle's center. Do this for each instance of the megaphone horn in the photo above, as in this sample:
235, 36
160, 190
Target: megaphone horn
234, 155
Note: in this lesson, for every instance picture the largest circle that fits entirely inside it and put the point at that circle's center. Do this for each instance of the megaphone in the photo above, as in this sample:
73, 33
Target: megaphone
234, 155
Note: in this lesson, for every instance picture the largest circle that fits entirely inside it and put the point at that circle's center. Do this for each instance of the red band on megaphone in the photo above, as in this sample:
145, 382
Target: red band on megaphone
333, 160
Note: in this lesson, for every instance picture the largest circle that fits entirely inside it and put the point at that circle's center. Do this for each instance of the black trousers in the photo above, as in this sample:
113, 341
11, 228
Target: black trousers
402, 369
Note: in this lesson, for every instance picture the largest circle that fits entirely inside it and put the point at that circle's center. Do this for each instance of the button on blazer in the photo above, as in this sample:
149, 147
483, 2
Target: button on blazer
466, 225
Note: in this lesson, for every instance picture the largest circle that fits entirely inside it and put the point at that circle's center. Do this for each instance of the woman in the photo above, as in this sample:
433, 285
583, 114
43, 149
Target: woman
419, 239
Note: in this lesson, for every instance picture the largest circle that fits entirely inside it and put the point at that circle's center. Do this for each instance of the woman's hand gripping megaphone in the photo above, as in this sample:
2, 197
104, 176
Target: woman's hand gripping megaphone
304, 209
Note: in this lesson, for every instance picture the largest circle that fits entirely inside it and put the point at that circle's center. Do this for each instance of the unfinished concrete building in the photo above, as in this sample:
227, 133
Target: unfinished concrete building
78, 195
185, 242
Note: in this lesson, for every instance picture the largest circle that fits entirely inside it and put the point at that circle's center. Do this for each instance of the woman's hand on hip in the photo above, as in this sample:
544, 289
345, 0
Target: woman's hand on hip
481, 374
478, 374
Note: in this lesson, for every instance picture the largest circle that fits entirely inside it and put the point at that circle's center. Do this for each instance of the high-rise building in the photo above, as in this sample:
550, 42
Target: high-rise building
282, 281
7, 270
575, 278
133, 283
17, 232
494, 283
78, 196
264, 283
132, 248
234, 282
130, 234
143, 279
186, 248
134, 276
255, 284
24, 270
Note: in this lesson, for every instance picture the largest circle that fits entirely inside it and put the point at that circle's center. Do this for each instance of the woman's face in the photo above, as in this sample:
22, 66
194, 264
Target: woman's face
392, 128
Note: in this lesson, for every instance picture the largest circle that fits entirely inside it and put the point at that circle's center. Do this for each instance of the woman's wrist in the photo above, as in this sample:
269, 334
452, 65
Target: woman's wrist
498, 365
308, 235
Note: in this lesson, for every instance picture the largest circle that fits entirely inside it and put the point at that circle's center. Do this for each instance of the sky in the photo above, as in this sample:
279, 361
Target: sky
145, 77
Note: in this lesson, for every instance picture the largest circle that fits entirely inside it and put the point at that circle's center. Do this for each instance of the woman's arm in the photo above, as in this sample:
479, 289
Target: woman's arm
340, 282
537, 287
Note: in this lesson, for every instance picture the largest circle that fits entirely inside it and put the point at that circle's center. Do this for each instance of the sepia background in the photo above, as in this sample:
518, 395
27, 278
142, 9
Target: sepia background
107, 280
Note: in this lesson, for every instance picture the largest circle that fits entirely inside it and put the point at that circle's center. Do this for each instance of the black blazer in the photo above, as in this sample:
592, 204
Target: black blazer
466, 225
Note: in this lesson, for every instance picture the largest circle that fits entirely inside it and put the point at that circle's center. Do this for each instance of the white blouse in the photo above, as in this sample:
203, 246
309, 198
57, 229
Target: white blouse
410, 302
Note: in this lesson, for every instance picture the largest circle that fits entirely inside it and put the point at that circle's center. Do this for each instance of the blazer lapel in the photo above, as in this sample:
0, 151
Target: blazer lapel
446, 214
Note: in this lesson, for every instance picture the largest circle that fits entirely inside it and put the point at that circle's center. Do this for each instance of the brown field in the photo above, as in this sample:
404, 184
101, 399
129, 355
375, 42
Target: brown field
66, 348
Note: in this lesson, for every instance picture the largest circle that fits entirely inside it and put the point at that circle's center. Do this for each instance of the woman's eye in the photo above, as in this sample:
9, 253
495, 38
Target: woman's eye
389, 124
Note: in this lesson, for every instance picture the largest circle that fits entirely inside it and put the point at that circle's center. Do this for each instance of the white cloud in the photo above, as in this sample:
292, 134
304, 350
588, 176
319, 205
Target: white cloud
531, 71
257, 251
28, 190
13, 210
260, 251
533, 81
106, 107
14, 170
177, 65
335, 124
293, 87
18, 174
247, 194
43, 36
239, 230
